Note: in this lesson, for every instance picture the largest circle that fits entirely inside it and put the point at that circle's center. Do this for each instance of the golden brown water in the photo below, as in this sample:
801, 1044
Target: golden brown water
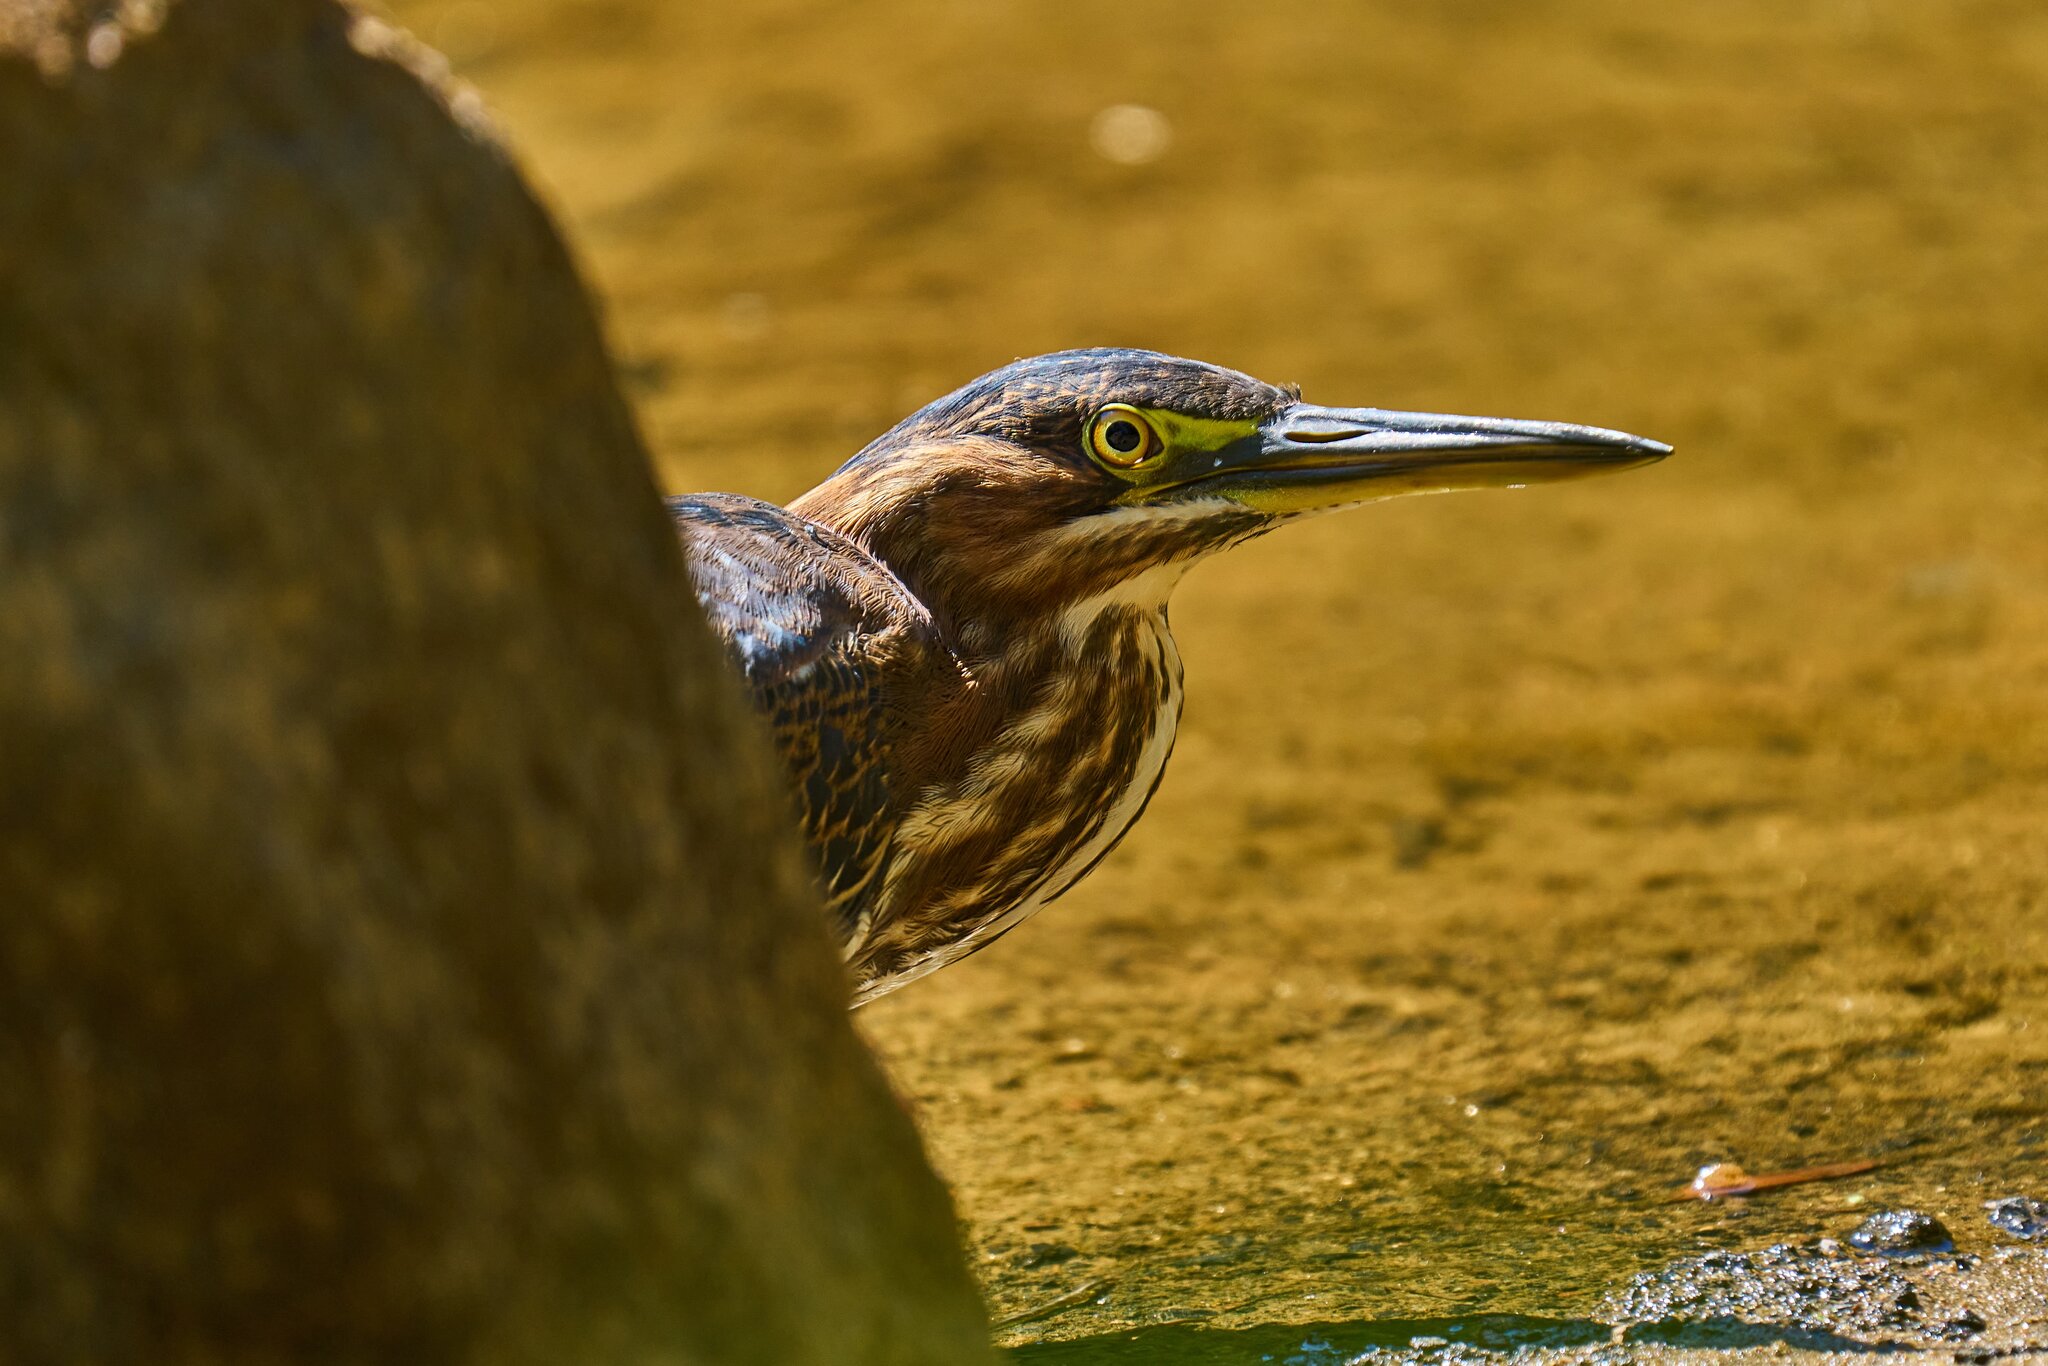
1522, 851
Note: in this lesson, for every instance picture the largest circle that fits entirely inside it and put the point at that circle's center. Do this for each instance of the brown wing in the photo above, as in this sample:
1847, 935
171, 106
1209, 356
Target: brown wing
820, 628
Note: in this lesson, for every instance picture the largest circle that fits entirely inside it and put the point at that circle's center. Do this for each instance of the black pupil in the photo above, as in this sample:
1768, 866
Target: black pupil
1124, 436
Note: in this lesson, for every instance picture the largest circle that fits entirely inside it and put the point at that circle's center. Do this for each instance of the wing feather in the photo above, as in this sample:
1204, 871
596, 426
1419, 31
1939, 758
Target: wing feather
824, 634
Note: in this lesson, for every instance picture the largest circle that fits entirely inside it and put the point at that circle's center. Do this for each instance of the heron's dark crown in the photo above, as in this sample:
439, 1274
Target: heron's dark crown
1042, 402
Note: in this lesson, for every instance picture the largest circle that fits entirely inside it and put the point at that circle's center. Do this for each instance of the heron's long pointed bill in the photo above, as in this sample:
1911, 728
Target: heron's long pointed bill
1309, 458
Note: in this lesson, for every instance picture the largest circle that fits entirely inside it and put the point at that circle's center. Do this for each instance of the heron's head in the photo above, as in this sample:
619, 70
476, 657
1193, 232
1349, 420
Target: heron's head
1067, 477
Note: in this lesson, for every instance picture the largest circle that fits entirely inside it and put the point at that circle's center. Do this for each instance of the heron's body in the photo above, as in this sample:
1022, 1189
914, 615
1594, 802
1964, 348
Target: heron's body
923, 757
960, 640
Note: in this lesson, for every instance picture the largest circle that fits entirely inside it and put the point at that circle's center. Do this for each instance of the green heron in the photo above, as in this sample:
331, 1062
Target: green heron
960, 638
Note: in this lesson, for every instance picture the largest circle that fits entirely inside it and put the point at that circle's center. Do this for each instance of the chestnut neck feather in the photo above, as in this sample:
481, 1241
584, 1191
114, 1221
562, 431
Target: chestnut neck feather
1024, 764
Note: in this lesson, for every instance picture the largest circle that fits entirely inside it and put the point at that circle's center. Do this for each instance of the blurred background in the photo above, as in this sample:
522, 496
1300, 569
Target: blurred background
1522, 852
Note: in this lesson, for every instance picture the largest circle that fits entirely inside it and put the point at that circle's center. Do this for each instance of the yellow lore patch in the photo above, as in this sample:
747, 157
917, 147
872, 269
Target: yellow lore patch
1173, 444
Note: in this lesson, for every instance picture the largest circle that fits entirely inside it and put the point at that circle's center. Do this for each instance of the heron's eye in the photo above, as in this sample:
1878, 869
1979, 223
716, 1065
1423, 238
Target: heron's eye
1122, 437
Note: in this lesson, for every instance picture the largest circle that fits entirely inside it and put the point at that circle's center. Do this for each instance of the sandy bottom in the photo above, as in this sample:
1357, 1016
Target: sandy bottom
1523, 851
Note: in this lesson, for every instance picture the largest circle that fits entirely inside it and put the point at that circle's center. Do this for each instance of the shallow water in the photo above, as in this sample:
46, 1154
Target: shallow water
1521, 853
1310, 1344
1711, 1307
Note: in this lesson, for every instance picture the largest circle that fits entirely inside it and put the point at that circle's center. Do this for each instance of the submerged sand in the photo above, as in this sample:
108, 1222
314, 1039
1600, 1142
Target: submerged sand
1522, 852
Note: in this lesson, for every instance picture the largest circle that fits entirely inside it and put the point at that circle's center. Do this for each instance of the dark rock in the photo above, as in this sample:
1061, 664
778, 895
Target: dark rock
1964, 1324
404, 957
1047, 1254
1782, 1293
1902, 1233
2020, 1216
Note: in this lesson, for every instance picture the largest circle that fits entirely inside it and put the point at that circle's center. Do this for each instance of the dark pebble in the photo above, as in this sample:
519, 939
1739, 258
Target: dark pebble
2020, 1216
1902, 1233
1968, 1324
1047, 1254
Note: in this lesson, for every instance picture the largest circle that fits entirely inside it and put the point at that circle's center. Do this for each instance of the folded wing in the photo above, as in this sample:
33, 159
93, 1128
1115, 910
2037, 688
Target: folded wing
813, 622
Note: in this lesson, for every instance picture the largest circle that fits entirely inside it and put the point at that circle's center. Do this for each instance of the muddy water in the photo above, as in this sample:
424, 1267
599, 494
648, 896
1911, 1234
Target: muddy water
1522, 852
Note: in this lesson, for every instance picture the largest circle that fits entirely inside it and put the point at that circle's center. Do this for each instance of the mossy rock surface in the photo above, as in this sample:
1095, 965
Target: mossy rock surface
404, 955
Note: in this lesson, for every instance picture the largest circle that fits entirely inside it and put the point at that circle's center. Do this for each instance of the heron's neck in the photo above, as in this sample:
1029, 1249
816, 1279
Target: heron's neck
1083, 673
1075, 636
1035, 771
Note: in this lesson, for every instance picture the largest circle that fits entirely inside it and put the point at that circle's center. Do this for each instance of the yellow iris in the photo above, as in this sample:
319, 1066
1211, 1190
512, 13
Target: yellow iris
1122, 437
